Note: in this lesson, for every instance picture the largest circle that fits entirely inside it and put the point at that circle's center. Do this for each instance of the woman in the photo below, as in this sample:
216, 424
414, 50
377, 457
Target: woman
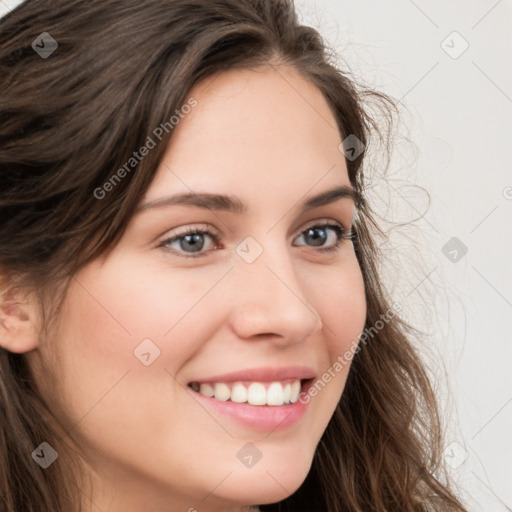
191, 314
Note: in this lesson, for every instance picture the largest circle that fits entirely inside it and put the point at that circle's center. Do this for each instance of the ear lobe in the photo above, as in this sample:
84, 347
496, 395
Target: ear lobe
19, 322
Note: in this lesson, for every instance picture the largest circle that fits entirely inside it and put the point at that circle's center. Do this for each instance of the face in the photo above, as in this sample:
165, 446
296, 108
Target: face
256, 302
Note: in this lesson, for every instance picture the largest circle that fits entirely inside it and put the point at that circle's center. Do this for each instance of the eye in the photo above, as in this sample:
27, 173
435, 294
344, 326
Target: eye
191, 242
320, 233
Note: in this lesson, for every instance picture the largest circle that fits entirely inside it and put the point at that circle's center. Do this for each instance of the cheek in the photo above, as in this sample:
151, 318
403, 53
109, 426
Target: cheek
115, 309
108, 317
151, 300
342, 306
99, 380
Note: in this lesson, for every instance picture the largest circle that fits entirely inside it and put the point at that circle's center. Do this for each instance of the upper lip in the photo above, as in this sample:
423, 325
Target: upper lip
266, 374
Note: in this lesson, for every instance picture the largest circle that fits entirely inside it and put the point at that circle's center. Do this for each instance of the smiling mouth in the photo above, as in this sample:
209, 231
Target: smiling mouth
275, 393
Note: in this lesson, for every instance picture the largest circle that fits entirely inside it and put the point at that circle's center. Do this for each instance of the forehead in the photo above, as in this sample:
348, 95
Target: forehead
268, 106
261, 129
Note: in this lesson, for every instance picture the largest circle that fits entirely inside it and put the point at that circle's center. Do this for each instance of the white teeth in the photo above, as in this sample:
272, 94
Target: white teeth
275, 394
239, 393
294, 391
206, 390
222, 392
257, 393
286, 393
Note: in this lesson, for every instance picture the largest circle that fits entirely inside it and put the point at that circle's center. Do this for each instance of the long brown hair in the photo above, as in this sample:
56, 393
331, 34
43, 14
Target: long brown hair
71, 118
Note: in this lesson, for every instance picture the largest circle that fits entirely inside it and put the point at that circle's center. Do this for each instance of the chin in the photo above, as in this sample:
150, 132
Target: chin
265, 483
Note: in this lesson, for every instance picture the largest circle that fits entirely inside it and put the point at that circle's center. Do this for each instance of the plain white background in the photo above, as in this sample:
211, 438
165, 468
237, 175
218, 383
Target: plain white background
448, 65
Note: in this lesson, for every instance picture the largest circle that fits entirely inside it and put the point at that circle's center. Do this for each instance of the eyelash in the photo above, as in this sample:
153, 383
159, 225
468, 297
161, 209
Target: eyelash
341, 234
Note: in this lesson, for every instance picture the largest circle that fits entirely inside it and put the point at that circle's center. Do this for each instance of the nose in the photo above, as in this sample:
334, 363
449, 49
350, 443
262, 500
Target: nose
269, 302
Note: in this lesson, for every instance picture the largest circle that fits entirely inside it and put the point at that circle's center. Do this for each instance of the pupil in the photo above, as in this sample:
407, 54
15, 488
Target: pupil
317, 240
194, 241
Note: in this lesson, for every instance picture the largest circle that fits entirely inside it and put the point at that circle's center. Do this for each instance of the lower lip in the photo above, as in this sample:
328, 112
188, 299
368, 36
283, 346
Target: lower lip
259, 417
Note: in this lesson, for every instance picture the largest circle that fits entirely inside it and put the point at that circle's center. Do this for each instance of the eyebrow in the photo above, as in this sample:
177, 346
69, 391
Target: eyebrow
229, 203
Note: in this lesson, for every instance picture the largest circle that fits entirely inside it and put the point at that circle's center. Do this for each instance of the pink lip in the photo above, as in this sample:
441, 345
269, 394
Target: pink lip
267, 374
266, 418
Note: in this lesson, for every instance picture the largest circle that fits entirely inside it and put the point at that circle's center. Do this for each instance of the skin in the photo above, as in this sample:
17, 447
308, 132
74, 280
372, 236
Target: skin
149, 444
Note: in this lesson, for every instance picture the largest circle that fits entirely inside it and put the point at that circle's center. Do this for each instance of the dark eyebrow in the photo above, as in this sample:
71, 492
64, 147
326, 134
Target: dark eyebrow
233, 204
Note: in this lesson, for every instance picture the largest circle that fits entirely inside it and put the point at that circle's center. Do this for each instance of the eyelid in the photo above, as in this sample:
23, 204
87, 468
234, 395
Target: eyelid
325, 220
208, 227
192, 227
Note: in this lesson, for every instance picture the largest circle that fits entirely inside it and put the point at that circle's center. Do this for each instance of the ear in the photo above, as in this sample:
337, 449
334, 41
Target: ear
19, 321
